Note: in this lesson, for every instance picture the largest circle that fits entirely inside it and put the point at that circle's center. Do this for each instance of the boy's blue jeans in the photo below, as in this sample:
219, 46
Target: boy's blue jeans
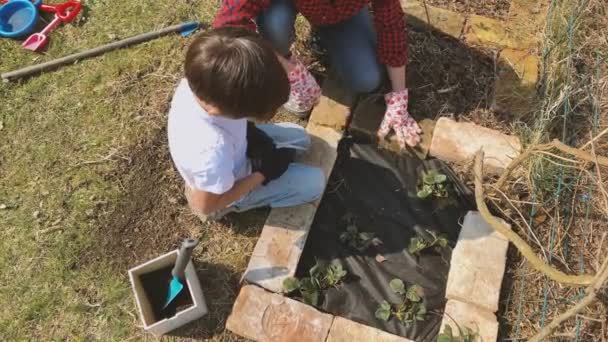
298, 185
351, 44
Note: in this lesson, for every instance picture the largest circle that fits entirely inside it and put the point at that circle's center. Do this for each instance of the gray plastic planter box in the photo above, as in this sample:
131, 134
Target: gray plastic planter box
197, 310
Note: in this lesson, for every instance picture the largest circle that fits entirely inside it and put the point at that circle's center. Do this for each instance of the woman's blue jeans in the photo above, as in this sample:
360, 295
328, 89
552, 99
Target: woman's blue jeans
351, 44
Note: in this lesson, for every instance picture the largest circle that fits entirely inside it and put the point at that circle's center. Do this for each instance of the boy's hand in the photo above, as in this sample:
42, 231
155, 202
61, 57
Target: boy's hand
274, 164
258, 142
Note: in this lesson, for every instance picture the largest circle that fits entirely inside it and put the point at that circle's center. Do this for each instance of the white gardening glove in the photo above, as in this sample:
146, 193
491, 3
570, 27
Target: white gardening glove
305, 92
397, 118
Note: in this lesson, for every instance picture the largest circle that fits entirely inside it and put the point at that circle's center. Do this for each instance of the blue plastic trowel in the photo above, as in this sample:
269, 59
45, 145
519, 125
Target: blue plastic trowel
179, 279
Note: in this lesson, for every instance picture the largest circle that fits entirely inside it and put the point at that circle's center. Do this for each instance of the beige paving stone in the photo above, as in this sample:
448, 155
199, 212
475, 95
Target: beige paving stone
268, 317
345, 330
515, 87
445, 21
334, 106
488, 32
478, 320
278, 250
523, 63
459, 141
478, 264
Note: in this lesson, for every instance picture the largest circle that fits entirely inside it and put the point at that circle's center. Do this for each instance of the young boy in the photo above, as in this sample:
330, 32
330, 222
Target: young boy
228, 163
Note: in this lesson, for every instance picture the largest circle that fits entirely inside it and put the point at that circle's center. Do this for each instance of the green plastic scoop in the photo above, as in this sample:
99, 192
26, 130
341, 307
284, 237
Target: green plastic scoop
177, 282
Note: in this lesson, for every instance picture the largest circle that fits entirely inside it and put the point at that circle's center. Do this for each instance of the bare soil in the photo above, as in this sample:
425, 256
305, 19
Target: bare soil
446, 77
498, 9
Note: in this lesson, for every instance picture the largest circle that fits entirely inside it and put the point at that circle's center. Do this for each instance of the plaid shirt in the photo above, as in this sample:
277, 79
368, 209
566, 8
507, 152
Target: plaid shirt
388, 19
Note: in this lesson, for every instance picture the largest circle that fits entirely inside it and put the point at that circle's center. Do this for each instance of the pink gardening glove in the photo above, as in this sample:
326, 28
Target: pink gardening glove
305, 92
398, 119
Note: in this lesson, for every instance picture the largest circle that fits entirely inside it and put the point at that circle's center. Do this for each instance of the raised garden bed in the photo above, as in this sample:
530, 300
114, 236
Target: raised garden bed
383, 235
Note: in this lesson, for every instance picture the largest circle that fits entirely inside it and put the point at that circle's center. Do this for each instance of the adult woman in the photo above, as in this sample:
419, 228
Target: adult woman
360, 48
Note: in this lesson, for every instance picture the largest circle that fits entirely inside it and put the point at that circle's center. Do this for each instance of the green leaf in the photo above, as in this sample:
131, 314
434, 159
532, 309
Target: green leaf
397, 286
419, 311
442, 241
446, 335
291, 284
352, 229
308, 285
335, 273
384, 311
311, 298
447, 330
444, 338
429, 178
417, 244
316, 271
414, 293
423, 194
440, 178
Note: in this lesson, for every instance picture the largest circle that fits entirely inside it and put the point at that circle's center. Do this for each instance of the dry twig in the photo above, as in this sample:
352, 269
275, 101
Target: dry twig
523, 247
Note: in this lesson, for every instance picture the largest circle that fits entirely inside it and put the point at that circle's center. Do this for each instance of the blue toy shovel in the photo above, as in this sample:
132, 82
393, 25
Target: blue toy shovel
177, 282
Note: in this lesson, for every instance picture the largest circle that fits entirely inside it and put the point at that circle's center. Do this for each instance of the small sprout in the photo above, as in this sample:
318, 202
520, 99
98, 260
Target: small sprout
291, 284
446, 335
433, 183
321, 278
397, 286
384, 311
414, 293
465, 335
410, 309
334, 274
311, 298
359, 240
418, 244
315, 271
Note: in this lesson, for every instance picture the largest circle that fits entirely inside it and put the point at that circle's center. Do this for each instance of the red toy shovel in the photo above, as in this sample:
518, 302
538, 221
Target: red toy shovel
63, 13
36, 41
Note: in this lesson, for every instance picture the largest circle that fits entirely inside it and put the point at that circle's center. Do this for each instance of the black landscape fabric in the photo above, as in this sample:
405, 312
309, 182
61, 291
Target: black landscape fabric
376, 190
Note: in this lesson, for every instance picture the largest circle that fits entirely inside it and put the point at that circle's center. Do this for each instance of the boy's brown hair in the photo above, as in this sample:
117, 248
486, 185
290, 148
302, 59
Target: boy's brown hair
237, 71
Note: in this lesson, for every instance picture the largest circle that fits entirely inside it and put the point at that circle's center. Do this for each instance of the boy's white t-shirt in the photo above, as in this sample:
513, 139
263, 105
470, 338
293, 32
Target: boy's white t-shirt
209, 151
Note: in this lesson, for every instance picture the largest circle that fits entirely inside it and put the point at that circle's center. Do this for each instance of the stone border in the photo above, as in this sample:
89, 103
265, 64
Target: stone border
459, 142
270, 317
476, 272
278, 250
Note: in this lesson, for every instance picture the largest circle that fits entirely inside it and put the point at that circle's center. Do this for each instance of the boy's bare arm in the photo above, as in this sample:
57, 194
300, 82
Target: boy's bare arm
207, 202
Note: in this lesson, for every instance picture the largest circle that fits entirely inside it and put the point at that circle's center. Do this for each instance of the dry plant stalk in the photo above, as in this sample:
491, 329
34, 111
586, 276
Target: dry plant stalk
521, 245
595, 283
555, 144
591, 296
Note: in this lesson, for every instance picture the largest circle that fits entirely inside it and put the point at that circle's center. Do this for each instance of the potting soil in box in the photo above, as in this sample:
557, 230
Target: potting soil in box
376, 191
156, 286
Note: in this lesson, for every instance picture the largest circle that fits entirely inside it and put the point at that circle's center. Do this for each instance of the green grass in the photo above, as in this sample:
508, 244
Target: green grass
64, 136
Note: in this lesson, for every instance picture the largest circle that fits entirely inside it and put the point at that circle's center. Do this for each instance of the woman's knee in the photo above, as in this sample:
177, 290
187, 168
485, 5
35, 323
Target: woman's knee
276, 24
367, 79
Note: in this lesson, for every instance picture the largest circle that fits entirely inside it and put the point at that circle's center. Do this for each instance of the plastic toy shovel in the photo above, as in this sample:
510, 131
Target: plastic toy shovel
63, 13
37, 41
177, 282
